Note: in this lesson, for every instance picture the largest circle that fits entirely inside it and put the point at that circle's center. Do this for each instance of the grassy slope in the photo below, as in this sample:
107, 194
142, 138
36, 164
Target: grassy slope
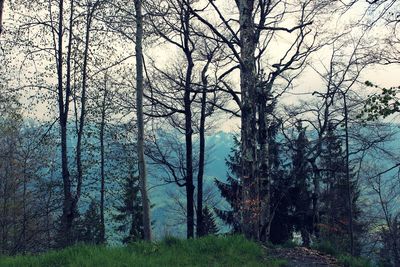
209, 251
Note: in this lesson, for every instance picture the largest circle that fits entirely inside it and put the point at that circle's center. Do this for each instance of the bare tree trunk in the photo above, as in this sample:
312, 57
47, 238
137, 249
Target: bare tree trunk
140, 121
90, 11
263, 167
24, 207
5, 211
349, 194
188, 126
102, 163
189, 164
200, 176
68, 212
315, 197
68, 207
1, 15
250, 207
48, 216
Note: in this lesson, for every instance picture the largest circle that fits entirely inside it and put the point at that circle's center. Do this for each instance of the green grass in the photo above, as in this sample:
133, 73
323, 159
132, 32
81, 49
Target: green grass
208, 251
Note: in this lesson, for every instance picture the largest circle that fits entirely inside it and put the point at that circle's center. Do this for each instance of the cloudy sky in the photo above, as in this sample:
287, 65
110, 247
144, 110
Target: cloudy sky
308, 82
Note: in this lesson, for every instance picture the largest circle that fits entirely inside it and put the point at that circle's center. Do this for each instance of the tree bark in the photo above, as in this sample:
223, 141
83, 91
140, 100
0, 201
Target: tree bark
140, 121
250, 181
263, 166
24, 207
200, 176
1, 15
315, 197
68, 214
188, 125
349, 194
89, 17
102, 164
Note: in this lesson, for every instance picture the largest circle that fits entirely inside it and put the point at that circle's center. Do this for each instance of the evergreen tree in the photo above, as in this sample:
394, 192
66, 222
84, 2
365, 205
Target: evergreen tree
129, 217
210, 226
334, 219
282, 221
89, 225
301, 190
231, 190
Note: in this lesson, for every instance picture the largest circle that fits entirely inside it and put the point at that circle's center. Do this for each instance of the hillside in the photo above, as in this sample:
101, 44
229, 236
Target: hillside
229, 251
209, 251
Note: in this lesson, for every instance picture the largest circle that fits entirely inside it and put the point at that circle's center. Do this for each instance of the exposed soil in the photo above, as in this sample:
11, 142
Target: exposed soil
305, 257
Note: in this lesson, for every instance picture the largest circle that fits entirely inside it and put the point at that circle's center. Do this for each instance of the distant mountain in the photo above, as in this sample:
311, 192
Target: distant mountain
165, 197
219, 146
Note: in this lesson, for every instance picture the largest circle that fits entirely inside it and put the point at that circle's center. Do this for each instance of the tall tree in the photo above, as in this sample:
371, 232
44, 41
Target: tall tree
1, 15
102, 162
231, 190
130, 217
69, 208
140, 120
248, 37
90, 12
348, 175
206, 110
302, 196
71, 196
74, 28
281, 224
250, 179
188, 51
180, 96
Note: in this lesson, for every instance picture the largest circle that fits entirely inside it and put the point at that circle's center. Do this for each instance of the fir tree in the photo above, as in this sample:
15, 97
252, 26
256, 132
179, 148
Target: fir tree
210, 226
301, 190
89, 225
129, 217
282, 221
231, 190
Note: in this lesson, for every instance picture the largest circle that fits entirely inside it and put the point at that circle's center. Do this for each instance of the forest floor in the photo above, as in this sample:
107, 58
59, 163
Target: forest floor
304, 257
224, 251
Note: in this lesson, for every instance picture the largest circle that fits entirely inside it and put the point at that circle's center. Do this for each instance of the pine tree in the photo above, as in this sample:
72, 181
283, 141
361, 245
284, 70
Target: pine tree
129, 217
209, 224
301, 191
